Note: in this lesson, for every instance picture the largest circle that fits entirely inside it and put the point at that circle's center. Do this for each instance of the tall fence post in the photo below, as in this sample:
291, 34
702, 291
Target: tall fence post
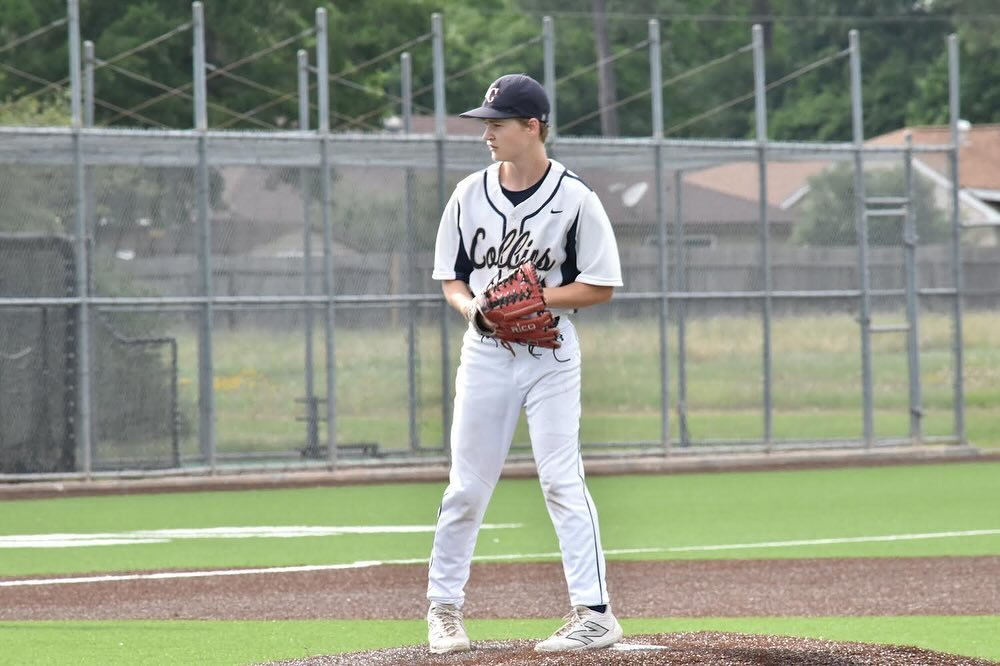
680, 308
437, 31
956, 240
406, 97
312, 411
83, 358
549, 72
910, 241
89, 62
861, 223
323, 127
656, 90
88, 83
206, 370
90, 229
760, 113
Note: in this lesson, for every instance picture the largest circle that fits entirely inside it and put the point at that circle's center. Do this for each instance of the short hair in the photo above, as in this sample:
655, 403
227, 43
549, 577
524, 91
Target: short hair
543, 128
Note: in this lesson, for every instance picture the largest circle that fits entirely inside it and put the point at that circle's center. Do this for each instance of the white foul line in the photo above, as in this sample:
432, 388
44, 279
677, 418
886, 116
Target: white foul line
824, 542
165, 575
362, 564
254, 532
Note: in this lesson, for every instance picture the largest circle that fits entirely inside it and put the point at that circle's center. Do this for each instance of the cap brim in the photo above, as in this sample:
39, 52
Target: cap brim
486, 112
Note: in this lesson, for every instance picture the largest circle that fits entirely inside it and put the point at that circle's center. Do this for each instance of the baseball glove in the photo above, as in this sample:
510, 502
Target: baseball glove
513, 310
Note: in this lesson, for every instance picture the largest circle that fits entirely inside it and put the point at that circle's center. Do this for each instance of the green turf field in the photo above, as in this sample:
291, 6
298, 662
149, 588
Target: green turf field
950, 509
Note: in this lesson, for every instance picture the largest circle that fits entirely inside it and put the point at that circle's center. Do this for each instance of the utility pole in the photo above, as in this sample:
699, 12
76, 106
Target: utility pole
607, 96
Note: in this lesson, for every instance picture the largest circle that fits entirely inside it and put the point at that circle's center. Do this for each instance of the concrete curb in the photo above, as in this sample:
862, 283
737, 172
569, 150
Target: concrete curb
519, 469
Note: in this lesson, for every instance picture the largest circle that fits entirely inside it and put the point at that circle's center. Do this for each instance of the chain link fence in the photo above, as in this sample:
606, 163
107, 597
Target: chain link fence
185, 300
757, 355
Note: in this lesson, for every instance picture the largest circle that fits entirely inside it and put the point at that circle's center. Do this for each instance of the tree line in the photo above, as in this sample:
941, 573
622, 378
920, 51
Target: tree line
903, 45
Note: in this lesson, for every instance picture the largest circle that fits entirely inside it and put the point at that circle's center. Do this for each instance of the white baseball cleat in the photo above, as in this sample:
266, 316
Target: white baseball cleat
585, 629
446, 629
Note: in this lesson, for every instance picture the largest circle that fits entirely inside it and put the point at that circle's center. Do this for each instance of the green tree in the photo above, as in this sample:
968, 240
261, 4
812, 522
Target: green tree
898, 40
31, 65
686, 44
979, 48
259, 93
482, 48
902, 42
828, 211
35, 112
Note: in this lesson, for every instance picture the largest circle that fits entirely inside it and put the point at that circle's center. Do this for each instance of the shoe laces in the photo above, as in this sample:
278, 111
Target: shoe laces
573, 619
449, 619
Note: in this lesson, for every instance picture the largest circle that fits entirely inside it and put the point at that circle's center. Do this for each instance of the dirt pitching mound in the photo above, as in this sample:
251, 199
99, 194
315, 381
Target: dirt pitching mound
719, 649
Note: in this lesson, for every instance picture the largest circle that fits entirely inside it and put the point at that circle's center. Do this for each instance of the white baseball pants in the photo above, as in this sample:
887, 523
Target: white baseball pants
491, 387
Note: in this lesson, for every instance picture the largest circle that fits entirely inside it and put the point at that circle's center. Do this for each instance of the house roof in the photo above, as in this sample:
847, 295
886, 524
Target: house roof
979, 166
629, 198
257, 197
978, 154
784, 179
979, 160
453, 125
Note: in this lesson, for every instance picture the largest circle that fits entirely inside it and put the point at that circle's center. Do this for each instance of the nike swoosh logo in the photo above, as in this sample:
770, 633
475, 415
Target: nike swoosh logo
554, 211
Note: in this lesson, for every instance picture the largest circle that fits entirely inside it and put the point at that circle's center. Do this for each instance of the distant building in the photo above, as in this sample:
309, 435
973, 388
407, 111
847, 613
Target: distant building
260, 213
710, 217
979, 176
978, 171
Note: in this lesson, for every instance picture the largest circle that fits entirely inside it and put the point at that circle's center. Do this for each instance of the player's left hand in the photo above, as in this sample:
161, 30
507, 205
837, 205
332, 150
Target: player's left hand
516, 308
538, 330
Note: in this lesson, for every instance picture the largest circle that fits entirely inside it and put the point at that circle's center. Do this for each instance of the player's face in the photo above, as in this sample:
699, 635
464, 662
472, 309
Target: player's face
507, 139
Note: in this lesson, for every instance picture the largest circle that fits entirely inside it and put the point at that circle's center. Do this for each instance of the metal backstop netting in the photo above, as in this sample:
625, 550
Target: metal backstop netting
202, 299
37, 369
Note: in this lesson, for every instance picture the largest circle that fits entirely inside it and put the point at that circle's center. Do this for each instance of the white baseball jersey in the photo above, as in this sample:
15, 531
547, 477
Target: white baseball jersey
562, 228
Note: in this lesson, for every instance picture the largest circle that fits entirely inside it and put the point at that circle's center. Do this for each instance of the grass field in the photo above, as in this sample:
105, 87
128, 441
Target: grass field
816, 389
673, 515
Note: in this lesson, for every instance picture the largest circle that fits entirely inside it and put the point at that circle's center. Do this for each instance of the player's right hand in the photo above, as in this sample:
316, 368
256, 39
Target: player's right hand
474, 313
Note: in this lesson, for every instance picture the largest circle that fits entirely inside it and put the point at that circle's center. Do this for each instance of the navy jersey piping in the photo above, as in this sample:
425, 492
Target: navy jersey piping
593, 530
569, 268
579, 180
486, 193
546, 202
463, 264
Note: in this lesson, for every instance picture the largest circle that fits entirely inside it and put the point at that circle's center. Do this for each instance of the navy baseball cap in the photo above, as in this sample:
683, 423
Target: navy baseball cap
513, 96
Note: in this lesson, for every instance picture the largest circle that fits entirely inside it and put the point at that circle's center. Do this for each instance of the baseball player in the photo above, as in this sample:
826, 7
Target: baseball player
523, 207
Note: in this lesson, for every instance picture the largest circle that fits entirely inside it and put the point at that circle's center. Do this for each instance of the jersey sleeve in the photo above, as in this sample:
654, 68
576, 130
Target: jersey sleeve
597, 250
451, 261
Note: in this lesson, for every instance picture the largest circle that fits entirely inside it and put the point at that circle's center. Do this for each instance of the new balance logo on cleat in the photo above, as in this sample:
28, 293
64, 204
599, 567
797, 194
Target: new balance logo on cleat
585, 629
588, 633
